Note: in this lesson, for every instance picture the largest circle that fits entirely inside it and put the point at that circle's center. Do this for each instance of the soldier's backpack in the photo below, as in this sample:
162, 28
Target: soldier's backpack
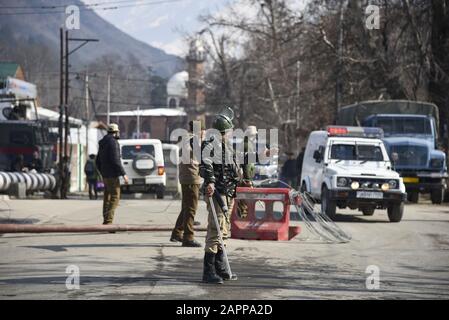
90, 168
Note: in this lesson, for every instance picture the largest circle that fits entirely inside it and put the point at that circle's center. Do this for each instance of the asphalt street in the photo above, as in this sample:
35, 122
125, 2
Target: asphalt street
412, 257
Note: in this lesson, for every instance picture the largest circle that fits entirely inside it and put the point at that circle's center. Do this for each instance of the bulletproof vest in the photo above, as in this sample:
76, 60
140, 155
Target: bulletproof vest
225, 170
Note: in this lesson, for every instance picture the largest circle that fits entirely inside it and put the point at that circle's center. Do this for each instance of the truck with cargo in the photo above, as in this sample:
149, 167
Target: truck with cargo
411, 135
21, 132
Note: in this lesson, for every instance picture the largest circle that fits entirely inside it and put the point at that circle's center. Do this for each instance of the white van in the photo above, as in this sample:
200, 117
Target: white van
143, 161
349, 167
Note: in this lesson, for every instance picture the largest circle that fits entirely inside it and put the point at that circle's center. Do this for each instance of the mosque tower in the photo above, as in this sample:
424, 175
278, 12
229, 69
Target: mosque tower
196, 99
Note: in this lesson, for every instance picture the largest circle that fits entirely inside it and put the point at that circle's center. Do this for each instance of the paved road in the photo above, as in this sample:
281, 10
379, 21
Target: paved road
412, 257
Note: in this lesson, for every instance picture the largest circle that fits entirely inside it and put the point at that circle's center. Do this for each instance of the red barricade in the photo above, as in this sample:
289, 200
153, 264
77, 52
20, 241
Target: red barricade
268, 215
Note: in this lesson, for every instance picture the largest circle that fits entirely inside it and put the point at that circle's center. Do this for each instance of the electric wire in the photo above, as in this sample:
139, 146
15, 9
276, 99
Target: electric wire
89, 8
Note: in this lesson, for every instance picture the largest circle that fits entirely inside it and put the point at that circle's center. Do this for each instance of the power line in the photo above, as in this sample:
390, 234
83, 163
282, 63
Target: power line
68, 4
101, 92
118, 102
89, 9
106, 70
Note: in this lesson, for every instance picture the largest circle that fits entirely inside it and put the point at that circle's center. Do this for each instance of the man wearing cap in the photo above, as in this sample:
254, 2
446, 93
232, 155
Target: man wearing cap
190, 180
110, 166
249, 146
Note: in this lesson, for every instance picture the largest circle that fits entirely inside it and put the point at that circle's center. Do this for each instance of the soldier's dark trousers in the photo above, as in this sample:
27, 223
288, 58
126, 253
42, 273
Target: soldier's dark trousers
186, 218
111, 198
92, 188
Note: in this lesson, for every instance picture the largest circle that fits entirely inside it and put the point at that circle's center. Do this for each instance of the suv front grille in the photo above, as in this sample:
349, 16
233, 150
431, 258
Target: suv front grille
371, 184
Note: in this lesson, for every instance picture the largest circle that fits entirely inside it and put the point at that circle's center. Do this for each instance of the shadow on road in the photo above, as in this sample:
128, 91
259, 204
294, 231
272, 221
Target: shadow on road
340, 218
61, 248
259, 278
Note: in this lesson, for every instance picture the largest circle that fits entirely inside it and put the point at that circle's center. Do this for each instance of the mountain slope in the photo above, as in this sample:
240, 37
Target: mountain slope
44, 29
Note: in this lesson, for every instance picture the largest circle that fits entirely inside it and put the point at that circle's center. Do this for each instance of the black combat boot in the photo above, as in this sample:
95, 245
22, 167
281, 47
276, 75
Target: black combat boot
191, 243
220, 267
209, 275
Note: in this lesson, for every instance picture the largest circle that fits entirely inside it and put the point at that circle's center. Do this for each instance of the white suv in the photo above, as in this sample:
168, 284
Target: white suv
143, 161
349, 167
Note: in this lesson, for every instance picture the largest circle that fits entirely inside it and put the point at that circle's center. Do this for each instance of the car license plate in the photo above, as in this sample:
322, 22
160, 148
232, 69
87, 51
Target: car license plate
139, 181
369, 195
411, 180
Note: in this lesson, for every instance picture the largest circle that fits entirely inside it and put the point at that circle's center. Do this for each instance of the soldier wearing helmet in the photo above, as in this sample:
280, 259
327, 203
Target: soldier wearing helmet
221, 175
110, 166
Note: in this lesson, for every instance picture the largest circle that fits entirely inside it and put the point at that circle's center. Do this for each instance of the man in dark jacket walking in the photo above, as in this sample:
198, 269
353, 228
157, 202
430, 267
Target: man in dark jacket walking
289, 174
92, 176
110, 166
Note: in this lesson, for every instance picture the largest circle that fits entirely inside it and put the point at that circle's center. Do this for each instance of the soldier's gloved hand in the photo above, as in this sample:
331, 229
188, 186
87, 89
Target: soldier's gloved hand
210, 189
247, 183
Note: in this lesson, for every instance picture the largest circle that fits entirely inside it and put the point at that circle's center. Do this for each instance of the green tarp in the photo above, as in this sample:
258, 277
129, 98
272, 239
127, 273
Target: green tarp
353, 115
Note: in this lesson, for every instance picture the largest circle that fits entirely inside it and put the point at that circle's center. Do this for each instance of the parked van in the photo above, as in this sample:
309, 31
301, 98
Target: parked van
349, 167
143, 161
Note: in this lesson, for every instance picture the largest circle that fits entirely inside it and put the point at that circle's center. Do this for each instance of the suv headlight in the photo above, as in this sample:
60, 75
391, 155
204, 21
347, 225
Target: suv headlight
436, 163
355, 185
393, 184
342, 182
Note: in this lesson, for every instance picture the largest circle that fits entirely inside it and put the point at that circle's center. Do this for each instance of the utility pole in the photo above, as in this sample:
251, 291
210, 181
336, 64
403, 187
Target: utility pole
66, 99
339, 82
87, 112
64, 159
108, 100
61, 108
138, 122
298, 114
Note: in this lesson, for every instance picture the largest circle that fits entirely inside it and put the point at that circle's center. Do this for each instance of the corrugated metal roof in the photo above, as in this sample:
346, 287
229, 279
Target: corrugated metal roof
156, 112
8, 69
54, 116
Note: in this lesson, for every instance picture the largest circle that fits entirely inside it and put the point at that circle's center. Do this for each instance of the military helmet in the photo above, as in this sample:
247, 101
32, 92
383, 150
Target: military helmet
223, 120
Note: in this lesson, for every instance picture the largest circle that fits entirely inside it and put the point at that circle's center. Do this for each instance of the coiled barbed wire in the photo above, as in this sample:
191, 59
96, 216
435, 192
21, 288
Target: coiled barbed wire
324, 228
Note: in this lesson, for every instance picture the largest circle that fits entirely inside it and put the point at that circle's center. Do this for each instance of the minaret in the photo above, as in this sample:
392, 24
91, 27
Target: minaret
196, 99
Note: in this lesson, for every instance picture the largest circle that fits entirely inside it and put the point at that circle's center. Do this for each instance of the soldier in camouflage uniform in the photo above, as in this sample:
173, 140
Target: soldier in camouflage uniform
221, 174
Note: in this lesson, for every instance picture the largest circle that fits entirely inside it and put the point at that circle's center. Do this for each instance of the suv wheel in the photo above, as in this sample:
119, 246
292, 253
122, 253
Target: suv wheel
328, 206
368, 211
437, 196
304, 190
160, 192
413, 196
395, 212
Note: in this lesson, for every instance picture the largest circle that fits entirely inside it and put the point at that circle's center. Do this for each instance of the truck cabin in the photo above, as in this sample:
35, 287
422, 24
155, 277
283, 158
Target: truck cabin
400, 125
21, 140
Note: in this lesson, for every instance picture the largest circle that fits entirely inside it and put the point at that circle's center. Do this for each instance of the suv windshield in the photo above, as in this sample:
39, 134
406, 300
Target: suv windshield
356, 152
395, 126
131, 152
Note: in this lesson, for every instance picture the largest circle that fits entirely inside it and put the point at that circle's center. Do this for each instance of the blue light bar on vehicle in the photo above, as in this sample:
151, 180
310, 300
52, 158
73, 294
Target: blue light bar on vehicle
358, 132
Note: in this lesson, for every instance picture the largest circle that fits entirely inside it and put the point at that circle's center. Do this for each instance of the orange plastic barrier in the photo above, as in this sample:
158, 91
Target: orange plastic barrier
267, 215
